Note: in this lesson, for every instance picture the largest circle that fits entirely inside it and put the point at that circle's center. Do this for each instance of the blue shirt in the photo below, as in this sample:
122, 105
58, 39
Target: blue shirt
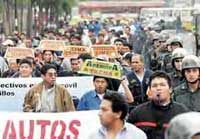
89, 101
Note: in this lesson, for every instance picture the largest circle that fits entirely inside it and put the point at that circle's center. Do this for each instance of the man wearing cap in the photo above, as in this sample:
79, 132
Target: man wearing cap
188, 93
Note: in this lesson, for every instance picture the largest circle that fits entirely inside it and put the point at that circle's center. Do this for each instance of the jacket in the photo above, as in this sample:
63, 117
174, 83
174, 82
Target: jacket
63, 100
154, 119
183, 94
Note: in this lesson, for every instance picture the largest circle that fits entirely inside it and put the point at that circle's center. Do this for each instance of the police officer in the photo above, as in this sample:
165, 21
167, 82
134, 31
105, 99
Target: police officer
176, 76
188, 93
176, 42
155, 59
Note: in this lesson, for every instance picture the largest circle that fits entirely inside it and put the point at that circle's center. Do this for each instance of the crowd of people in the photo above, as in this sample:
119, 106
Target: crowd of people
160, 80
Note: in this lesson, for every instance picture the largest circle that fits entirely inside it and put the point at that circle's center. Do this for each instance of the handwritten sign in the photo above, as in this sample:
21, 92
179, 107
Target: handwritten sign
53, 45
101, 68
108, 50
19, 52
74, 51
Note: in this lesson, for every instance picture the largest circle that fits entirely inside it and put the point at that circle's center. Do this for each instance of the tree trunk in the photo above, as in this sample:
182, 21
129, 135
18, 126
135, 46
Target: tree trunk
21, 27
7, 17
29, 19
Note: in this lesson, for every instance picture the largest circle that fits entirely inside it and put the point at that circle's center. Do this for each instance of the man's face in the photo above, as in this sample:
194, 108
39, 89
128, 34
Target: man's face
100, 85
50, 77
106, 115
47, 56
127, 31
178, 63
156, 43
136, 63
175, 45
192, 74
160, 90
75, 65
119, 45
196, 137
13, 64
25, 70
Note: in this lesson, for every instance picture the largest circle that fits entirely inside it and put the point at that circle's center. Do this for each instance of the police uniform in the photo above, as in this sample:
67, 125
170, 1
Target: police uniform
184, 95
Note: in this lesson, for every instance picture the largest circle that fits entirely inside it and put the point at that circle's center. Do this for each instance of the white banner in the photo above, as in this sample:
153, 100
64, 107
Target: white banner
13, 90
48, 125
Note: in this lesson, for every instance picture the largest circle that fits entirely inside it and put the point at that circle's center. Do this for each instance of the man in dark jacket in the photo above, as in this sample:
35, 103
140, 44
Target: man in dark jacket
153, 117
138, 79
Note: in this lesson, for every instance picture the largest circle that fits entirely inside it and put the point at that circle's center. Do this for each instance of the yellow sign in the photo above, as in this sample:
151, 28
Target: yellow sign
74, 51
108, 50
19, 52
53, 45
101, 68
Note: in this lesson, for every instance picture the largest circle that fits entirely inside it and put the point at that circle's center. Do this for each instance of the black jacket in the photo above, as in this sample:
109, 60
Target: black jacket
153, 119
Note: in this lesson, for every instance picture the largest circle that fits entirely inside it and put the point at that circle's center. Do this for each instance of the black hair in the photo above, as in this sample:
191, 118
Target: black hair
95, 77
48, 50
84, 56
119, 40
46, 67
128, 56
26, 61
118, 103
160, 74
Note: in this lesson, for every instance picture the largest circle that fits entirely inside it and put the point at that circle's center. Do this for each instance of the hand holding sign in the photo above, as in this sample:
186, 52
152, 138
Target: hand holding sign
101, 68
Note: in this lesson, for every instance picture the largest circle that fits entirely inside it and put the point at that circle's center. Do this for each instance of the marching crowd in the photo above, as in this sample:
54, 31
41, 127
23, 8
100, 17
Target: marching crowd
160, 79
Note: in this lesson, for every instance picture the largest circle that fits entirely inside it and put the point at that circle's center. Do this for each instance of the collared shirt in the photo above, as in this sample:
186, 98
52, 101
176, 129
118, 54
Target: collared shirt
129, 131
89, 101
48, 100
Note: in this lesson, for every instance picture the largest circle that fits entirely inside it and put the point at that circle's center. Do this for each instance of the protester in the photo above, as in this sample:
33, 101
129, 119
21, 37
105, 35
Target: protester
25, 69
138, 79
153, 116
112, 114
48, 96
13, 68
92, 99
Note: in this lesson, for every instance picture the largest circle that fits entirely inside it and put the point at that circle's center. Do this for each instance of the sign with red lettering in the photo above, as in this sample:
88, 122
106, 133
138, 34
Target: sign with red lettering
54, 45
108, 50
48, 125
74, 51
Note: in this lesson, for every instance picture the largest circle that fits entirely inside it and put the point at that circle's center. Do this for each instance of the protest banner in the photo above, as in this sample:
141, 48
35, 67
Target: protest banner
101, 68
53, 45
13, 90
108, 50
19, 52
68, 125
74, 51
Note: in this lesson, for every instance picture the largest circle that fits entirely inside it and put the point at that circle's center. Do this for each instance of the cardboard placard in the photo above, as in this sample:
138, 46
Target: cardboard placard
74, 51
108, 50
53, 45
19, 52
101, 68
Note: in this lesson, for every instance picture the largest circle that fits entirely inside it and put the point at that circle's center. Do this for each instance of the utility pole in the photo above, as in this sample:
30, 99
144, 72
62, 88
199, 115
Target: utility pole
16, 21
